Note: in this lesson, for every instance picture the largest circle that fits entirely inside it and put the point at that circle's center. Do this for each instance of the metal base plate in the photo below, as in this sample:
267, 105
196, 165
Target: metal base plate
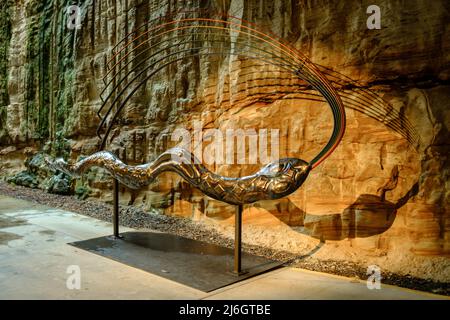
200, 265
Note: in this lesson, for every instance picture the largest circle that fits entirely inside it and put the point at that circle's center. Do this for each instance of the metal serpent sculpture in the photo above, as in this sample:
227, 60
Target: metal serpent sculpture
171, 39
273, 181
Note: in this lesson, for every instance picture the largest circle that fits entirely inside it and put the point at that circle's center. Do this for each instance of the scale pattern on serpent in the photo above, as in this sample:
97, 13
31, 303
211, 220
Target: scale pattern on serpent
275, 180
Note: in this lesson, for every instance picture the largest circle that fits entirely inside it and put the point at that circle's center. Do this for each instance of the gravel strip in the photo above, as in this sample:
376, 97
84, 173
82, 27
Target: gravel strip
136, 218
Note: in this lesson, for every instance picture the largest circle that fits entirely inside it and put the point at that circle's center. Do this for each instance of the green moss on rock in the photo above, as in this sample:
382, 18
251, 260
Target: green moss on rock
5, 39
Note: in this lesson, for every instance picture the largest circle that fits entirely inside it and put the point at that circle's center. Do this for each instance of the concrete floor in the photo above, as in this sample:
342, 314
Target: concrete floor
34, 257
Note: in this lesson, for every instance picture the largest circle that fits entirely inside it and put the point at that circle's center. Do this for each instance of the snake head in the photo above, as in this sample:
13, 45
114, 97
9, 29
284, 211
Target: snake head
286, 175
301, 170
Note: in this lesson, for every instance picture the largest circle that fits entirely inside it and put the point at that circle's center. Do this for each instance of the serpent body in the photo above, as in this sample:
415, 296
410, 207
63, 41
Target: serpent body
275, 180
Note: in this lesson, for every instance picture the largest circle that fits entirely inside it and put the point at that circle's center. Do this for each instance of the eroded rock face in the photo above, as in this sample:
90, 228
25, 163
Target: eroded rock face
54, 78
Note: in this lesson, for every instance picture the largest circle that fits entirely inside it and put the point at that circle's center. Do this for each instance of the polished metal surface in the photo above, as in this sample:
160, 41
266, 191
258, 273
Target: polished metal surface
275, 180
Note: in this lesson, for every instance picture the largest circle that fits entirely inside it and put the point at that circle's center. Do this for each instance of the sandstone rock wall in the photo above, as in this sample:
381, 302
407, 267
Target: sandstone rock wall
51, 78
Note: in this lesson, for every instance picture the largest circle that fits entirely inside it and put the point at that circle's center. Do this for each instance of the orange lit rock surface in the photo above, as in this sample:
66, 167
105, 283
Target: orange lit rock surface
339, 209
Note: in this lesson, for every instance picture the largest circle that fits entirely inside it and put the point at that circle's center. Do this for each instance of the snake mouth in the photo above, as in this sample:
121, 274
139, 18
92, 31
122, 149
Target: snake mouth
301, 173
302, 168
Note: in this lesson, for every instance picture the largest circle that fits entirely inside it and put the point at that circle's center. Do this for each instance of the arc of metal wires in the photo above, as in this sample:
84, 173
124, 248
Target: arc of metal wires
177, 28
370, 103
116, 83
366, 97
375, 116
312, 76
358, 101
137, 87
152, 65
361, 99
148, 77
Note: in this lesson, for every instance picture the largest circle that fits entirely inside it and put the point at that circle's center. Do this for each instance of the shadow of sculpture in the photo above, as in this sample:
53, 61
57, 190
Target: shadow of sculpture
369, 215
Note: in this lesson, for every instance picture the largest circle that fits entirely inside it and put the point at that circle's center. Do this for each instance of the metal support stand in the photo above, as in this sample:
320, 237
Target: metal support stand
116, 209
237, 270
238, 242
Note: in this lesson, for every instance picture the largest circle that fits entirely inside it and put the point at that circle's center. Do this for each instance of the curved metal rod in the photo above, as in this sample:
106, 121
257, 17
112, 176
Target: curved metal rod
347, 99
123, 90
222, 15
175, 29
141, 83
149, 67
167, 47
137, 67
